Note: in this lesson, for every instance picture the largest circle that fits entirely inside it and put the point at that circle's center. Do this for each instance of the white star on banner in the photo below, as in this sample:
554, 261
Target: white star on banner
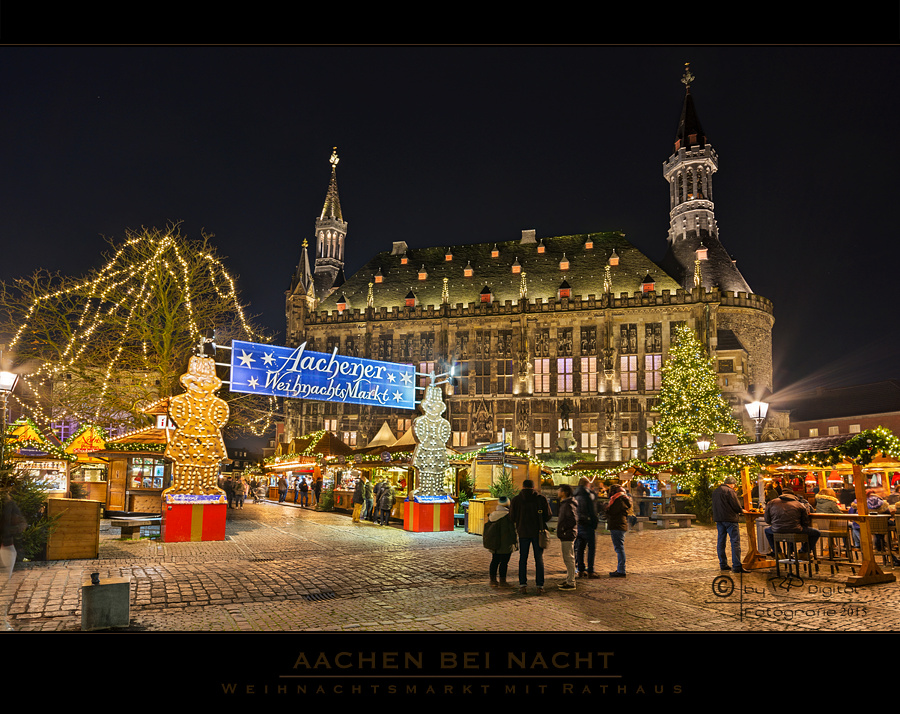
246, 359
253, 382
406, 377
398, 397
268, 359
392, 377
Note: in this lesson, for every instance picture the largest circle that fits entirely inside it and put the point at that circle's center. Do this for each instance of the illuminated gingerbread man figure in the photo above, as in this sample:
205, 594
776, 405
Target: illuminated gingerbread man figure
196, 447
432, 432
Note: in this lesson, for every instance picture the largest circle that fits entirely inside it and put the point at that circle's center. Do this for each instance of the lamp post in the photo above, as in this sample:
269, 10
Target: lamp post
757, 412
7, 384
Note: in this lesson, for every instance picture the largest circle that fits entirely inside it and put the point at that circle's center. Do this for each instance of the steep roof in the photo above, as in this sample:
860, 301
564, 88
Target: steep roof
586, 272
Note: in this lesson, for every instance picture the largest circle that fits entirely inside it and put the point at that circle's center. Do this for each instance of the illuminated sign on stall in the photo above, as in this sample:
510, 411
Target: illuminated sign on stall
300, 374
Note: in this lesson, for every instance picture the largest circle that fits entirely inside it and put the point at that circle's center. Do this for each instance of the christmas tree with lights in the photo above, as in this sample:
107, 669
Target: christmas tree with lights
690, 403
691, 406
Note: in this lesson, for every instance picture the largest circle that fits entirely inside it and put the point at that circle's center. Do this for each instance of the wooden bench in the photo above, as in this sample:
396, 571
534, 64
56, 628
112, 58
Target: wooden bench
674, 520
131, 527
640, 521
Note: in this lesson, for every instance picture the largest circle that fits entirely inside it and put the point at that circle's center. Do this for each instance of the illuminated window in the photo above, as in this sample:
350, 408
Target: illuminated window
542, 376
854, 429
588, 375
652, 372
460, 432
564, 375
504, 376
541, 435
629, 373
833, 430
589, 432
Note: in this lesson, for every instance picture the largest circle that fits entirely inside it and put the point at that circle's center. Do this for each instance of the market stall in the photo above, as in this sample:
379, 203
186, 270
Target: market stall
88, 473
39, 455
321, 450
867, 458
137, 469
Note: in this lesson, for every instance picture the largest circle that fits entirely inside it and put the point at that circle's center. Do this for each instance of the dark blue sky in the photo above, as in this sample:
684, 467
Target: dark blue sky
450, 145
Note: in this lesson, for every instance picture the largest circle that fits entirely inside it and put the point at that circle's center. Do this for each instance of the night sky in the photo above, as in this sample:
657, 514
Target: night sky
449, 145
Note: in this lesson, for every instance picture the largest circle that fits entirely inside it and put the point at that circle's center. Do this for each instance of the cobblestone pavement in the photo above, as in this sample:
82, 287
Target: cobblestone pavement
283, 568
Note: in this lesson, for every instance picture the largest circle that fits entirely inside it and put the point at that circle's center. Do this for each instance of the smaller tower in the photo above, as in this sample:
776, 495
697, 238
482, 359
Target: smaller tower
692, 220
331, 231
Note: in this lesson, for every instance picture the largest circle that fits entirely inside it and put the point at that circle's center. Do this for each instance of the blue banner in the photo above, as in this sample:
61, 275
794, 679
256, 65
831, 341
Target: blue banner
299, 374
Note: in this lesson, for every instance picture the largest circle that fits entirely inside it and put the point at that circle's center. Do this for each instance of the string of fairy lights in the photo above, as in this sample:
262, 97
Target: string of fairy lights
120, 297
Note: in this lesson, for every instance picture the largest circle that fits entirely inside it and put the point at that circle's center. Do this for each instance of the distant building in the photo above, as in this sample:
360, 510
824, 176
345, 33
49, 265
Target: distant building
539, 322
847, 410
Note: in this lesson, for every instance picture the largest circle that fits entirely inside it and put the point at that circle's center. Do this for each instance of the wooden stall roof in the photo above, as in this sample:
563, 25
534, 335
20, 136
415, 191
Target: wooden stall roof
813, 444
327, 444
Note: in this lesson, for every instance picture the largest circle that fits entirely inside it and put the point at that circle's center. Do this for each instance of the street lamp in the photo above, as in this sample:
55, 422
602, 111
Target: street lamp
703, 443
757, 412
7, 384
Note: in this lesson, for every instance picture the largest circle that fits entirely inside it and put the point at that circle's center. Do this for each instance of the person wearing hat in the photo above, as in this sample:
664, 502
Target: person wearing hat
727, 513
499, 537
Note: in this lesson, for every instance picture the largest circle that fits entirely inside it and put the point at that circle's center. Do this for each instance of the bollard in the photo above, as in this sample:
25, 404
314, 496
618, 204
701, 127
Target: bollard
105, 603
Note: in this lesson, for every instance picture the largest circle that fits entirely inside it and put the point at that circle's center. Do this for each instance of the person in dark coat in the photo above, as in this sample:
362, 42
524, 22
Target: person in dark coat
499, 537
228, 487
282, 489
385, 504
786, 514
728, 512
617, 522
566, 526
585, 535
530, 512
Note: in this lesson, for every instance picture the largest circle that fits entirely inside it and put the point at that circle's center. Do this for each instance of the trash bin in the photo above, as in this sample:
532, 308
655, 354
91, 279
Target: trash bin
762, 543
465, 507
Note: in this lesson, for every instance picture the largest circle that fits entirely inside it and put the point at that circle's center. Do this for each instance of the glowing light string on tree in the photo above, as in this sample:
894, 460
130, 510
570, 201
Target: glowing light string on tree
120, 296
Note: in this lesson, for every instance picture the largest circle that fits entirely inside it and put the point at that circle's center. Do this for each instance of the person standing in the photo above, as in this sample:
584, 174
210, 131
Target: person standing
530, 512
499, 538
566, 527
317, 489
282, 489
369, 496
585, 534
358, 497
304, 493
727, 512
228, 487
385, 503
239, 492
12, 525
296, 488
617, 522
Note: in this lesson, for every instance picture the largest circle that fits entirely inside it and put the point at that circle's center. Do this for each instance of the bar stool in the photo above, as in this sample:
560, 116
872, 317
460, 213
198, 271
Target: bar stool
880, 526
836, 531
786, 544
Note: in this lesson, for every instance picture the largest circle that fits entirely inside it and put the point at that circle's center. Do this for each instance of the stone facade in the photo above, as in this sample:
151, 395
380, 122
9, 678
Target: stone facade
546, 332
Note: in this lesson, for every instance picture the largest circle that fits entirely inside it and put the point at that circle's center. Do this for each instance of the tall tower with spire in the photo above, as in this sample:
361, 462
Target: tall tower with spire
693, 232
331, 231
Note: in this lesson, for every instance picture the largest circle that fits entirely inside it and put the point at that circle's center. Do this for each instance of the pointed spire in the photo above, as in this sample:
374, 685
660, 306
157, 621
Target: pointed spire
332, 207
690, 132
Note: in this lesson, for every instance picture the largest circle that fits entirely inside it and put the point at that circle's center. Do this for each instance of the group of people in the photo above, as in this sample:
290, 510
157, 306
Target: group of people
520, 524
236, 490
786, 512
373, 503
302, 488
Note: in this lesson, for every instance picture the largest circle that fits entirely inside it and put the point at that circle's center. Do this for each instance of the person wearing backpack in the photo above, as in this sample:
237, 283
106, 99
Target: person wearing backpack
500, 539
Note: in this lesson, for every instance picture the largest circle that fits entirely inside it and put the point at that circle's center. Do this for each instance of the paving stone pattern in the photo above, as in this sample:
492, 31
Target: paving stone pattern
284, 568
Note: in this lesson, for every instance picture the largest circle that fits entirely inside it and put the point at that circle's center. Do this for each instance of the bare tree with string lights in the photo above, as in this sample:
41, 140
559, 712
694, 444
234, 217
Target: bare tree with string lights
98, 348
